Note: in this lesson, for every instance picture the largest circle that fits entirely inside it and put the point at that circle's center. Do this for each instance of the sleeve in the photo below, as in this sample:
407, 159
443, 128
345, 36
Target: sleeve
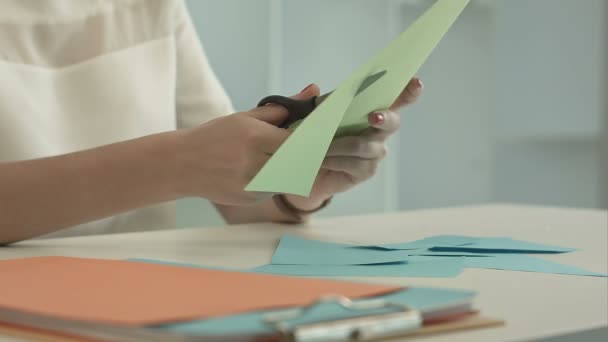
199, 95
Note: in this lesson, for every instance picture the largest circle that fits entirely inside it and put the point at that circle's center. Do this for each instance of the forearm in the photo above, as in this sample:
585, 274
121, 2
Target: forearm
44, 195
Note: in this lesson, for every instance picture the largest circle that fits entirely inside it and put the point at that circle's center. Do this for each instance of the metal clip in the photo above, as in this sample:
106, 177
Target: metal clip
359, 328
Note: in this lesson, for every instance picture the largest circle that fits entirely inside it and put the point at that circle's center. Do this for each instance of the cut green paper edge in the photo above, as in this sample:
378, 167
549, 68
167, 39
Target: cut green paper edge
295, 165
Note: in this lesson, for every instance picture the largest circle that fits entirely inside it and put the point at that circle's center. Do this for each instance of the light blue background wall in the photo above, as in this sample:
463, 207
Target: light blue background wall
514, 108
553, 65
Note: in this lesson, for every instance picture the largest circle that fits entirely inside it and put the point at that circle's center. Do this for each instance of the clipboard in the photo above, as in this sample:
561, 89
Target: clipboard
401, 321
397, 320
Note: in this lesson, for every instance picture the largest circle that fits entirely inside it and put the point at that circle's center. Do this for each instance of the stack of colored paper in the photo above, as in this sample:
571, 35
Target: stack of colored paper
119, 300
437, 256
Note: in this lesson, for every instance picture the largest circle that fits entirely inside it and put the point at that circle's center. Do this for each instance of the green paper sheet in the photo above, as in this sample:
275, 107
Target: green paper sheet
295, 165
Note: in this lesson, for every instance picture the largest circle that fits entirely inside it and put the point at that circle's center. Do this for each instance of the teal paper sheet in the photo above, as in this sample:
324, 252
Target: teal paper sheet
503, 245
435, 268
293, 250
416, 297
435, 256
428, 252
468, 244
439, 240
525, 263
420, 266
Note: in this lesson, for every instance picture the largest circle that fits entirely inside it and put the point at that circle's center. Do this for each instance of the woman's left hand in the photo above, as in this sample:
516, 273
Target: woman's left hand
352, 160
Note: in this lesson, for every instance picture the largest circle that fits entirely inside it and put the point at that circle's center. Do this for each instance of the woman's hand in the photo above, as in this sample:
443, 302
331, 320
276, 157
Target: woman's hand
352, 160
218, 159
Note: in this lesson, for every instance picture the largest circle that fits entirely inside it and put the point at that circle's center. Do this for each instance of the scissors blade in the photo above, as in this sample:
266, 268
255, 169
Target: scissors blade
364, 85
320, 99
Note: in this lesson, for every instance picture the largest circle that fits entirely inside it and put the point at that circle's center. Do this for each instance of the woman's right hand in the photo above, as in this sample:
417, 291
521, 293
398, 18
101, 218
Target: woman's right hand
218, 159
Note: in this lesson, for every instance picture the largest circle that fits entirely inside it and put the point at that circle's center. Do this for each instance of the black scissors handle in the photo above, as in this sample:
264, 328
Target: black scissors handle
298, 109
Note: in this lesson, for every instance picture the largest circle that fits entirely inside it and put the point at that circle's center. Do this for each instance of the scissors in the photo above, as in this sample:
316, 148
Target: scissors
300, 109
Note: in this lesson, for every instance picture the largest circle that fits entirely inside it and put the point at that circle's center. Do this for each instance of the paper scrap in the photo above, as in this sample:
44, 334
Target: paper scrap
467, 244
445, 268
428, 242
295, 250
502, 245
526, 263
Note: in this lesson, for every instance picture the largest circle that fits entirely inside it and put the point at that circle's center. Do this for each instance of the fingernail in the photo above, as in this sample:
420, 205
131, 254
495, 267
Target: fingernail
418, 83
378, 118
307, 87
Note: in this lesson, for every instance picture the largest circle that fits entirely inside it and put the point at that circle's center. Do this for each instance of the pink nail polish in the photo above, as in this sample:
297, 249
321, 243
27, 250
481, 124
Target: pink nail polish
378, 118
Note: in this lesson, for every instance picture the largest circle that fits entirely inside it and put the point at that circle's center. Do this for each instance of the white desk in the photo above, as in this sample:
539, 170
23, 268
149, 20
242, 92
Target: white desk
534, 305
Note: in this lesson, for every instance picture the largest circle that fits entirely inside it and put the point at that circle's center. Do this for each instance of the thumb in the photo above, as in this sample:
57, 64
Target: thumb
308, 92
276, 114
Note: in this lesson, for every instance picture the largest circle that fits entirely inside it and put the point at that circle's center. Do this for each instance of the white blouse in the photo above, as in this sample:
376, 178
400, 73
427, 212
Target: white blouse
76, 74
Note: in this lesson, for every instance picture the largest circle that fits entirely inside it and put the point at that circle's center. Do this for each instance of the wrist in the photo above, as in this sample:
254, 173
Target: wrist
306, 204
173, 158
294, 213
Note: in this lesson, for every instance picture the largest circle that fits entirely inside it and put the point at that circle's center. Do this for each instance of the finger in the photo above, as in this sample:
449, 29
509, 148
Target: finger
276, 114
409, 95
269, 138
362, 147
387, 122
271, 113
358, 169
310, 91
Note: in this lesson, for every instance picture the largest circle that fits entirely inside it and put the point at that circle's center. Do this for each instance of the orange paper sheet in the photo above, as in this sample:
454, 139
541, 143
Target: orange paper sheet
137, 293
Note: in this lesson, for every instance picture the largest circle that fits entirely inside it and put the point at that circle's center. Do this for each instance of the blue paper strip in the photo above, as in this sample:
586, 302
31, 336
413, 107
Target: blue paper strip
502, 245
467, 244
443, 268
443, 240
514, 262
422, 299
293, 250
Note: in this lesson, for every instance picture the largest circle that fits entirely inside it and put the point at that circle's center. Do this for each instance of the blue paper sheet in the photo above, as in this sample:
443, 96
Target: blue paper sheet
430, 252
293, 250
525, 263
443, 240
422, 299
444, 268
419, 266
468, 244
502, 245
